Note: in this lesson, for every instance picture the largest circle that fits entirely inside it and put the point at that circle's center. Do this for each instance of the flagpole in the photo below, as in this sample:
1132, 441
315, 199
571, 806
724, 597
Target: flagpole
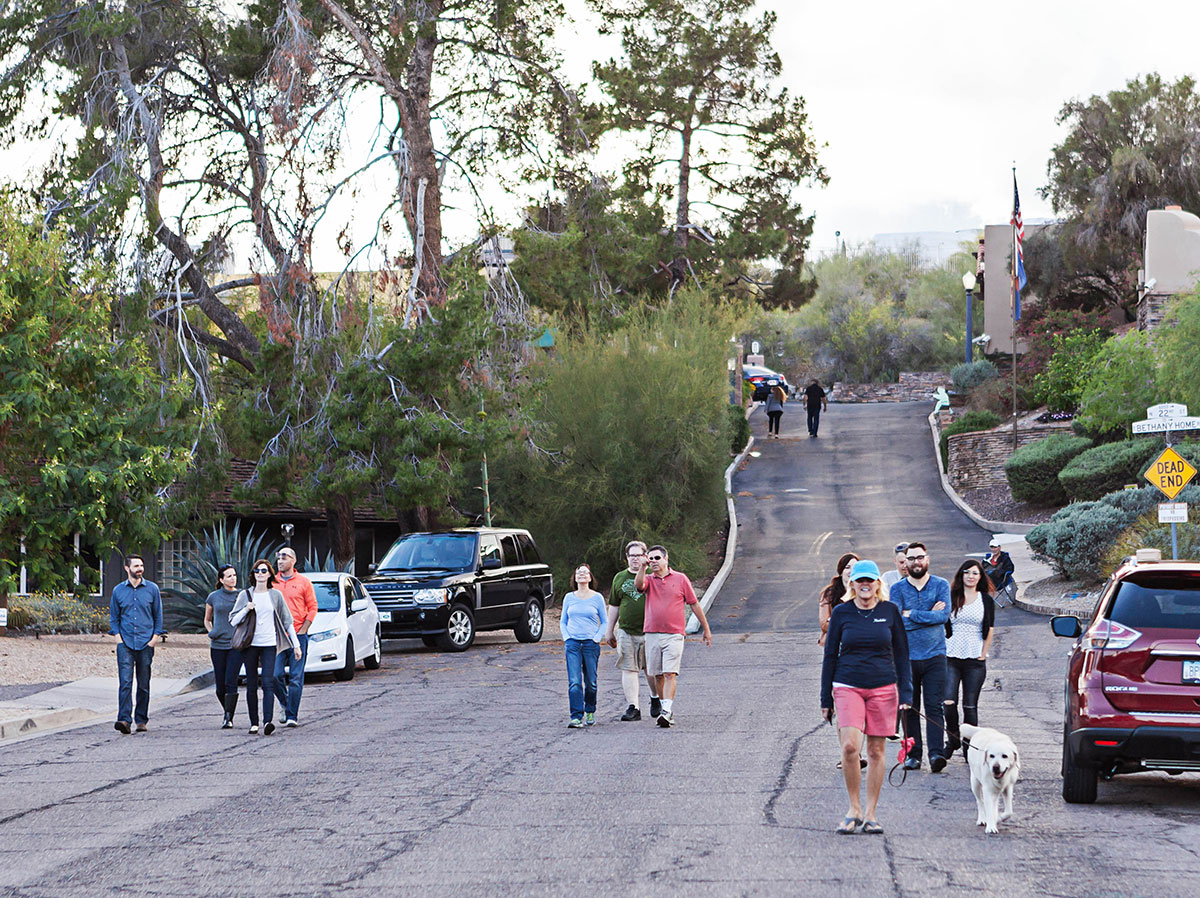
1012, 314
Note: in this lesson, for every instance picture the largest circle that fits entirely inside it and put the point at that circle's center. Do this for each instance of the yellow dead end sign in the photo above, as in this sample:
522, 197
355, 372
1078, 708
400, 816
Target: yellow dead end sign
1170, 472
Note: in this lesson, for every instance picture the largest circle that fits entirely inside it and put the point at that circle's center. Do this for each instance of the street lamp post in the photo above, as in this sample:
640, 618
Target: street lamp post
968, 281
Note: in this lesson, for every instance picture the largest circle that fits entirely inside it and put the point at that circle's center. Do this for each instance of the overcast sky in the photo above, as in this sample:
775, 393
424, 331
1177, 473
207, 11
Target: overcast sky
926, 105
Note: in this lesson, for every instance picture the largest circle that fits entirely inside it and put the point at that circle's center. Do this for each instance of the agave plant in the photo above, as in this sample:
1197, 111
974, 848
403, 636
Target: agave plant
219, 545
313, 562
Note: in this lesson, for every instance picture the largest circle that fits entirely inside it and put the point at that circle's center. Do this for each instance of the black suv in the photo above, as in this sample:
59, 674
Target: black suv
446, 586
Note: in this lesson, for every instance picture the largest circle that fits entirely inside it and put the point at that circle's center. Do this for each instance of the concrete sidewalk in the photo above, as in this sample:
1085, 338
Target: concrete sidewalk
83, 701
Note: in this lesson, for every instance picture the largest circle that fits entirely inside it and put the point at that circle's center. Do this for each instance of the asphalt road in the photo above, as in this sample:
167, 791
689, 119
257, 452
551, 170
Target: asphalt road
455, 775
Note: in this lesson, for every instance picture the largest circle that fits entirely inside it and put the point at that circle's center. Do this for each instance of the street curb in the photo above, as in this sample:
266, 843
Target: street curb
994, 526
199, 681
710, 594
44, 720
1051, 611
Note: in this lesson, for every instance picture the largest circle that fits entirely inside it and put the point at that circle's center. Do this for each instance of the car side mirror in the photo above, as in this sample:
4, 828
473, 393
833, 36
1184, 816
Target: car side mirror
492, 564
372, 568
1065, 625
358, 605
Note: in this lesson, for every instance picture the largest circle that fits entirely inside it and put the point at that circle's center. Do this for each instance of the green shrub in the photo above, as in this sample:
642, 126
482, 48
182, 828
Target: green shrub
739, 429
1147, 533
1060, 385
1108, 467
969, 375
1120, 385
971, 421
1032, 471
56, 613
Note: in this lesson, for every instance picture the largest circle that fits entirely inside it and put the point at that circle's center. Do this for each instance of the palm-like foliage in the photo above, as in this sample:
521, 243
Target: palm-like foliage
314, 562
219, 545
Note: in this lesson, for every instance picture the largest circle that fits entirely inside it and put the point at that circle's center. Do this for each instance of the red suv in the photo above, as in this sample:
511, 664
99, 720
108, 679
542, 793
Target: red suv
1133, 682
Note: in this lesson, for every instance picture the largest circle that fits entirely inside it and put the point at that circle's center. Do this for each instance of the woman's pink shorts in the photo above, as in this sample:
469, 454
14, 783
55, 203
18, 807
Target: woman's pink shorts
873, 711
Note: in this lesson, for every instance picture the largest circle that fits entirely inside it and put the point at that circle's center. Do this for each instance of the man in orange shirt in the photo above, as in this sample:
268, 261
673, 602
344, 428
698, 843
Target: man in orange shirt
298, 592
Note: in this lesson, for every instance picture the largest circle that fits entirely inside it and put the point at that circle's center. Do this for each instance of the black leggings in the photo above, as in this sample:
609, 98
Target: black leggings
970, 674
254, 657
773, 422
227, 664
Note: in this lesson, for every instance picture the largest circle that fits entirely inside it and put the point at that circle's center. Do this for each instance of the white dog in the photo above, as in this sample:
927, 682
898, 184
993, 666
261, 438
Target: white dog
995, 766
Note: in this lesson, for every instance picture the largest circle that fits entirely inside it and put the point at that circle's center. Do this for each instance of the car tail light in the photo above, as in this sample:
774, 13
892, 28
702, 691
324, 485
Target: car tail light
1108, 743
1108, 634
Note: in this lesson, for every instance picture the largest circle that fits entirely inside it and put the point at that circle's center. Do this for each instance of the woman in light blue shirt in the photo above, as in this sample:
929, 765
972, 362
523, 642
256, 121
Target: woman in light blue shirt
583, 623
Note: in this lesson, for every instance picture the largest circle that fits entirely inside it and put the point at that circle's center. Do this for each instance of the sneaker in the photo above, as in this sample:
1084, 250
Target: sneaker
666, 719
655, 706
576, 723
291, 723
589, 719
121, 726
937, 764
254, 729
140, 728
633, 712
268, 729
282, 719
911, 763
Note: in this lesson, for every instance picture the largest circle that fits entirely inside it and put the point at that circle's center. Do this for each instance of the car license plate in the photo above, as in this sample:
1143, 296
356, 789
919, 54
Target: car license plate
1191, 672
385, 617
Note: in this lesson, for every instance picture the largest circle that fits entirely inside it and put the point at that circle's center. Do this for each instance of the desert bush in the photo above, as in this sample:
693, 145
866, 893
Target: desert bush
969, 422
739, 429
1075, 540
969, 375
1147, 533
1032, 471
56, 613
1108, 467
1060, 385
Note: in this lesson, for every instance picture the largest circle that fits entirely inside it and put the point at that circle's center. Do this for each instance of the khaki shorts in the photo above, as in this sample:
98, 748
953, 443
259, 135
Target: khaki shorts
631, 651
664, 651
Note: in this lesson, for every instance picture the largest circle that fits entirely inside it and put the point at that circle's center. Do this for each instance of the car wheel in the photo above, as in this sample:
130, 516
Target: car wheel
347, 671
430, 641
529, 627
373, 660
460, 630
1079, 783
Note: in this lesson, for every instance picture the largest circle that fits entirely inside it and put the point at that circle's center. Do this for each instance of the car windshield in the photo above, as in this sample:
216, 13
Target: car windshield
327, 597
431, 552
1163, 599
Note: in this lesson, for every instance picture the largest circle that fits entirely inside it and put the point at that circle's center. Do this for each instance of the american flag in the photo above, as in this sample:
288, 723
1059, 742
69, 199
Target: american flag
1018, 253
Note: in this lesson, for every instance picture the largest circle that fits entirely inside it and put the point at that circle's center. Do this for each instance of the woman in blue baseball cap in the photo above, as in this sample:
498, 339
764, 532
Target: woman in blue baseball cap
867, 678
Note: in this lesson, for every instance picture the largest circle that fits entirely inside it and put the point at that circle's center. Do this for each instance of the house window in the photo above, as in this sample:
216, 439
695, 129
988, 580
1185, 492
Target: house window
88, 570
172, 555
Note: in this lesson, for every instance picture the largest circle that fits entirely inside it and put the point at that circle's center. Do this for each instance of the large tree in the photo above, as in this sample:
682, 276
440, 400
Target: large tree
1132, 150
697, 83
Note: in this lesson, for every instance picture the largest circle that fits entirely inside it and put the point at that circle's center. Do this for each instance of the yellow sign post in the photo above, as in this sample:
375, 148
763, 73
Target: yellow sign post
1170, 472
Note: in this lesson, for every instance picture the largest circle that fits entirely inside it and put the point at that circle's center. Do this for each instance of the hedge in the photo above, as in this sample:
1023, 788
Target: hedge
1108, 467
971, 421
1032, 470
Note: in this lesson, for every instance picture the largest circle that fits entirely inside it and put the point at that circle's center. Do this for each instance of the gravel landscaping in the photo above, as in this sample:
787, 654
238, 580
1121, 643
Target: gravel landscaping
995, 503
53, 660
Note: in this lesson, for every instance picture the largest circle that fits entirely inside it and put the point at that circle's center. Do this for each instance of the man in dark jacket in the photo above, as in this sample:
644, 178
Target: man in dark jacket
998, 566
814, 403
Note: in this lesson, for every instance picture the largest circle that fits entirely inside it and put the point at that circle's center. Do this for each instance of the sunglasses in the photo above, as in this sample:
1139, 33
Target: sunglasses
900, 548
262, 570
656, 558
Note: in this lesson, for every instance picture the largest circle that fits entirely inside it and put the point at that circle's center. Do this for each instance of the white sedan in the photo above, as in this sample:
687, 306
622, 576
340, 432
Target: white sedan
346, 629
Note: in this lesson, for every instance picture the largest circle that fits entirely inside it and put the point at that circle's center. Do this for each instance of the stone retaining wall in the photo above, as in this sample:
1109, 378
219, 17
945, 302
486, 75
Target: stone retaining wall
913, 385
976, 459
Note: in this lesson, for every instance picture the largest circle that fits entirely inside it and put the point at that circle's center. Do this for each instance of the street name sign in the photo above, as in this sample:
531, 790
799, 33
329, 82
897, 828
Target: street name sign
1166, 417
1172, 512
1170, 472
1167, 410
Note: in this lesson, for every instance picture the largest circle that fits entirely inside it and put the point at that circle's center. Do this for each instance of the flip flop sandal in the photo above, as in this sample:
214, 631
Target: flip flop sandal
849, 826
871, 828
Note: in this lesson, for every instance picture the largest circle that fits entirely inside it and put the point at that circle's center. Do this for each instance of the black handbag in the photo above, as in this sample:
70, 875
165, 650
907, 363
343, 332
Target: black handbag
243, 633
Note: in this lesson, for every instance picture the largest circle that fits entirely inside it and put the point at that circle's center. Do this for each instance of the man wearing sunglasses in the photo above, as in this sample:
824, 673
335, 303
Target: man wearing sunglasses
891, 578
924, 603
298, 592
667, 594
626, 618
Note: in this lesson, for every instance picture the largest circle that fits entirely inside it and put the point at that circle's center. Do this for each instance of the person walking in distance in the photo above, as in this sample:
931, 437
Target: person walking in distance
834, 593
667, 593
968, 640
626, 616
297, 591
583, 623
891, 578
924, 603
274, 633
775, 400
814, 403
866, 677
226, 660
135, 618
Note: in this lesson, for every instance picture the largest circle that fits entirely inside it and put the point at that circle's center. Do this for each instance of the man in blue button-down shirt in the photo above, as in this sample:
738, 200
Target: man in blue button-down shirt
135, 617
924, 602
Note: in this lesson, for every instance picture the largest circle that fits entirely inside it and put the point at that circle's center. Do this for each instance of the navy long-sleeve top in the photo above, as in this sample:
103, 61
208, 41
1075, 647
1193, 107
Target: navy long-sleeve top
866, 649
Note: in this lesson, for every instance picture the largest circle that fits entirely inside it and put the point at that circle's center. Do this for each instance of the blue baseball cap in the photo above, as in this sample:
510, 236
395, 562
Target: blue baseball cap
864, 569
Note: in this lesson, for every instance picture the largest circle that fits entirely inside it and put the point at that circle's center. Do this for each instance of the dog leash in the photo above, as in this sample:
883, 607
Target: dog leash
907, 742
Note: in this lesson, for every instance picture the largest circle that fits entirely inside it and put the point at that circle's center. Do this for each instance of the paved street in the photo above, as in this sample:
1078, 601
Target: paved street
455, 775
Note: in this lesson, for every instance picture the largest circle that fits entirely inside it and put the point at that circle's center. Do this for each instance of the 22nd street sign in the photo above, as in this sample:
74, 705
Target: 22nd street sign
1170, 472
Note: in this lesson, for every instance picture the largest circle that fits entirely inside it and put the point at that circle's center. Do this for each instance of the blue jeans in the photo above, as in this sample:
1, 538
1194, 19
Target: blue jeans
130, 662
583, 660
929, 680
814, 420
288, 687
227, 664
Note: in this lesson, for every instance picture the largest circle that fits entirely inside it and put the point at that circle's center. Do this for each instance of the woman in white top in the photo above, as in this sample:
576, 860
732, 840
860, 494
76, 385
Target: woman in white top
273, 631
968, 639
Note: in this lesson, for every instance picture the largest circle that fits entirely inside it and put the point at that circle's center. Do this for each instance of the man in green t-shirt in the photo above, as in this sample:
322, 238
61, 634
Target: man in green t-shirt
626, 609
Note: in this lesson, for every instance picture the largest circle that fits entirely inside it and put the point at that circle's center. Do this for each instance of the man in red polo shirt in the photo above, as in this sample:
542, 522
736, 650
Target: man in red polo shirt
667, 592
298, 592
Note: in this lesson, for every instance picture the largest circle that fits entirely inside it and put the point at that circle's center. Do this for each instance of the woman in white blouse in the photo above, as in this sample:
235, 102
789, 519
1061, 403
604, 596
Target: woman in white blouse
968, 640
274, 632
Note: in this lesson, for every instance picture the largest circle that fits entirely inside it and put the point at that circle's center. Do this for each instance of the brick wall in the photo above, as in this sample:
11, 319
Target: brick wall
913, 385
976, 460
1150, 310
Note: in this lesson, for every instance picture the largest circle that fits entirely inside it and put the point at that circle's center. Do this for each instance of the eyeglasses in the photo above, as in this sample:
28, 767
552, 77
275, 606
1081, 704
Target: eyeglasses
284, 555
915, 557
262, 570
635, 554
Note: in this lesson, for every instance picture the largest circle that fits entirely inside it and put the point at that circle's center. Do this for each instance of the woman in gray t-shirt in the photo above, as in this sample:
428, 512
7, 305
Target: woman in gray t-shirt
226, 661
775, 400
